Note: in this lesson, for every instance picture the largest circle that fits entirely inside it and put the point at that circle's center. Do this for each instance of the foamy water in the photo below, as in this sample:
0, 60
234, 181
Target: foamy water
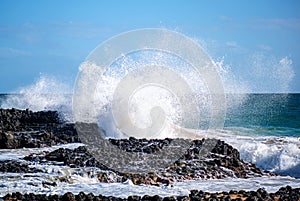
85, 180
278, 154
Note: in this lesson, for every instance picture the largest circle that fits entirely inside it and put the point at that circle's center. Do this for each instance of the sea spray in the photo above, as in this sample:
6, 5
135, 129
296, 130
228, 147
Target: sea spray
270, 74
152, 51
47, 93
148, 96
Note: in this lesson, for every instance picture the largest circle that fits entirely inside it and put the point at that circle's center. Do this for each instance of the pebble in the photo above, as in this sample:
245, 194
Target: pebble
285, 193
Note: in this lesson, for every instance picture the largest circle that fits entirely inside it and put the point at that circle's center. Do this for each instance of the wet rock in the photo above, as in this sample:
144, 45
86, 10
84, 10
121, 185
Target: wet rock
68, 197
109, 176
134, 198
183, 198
8, 140
152, 198
24, 128
16, 167
140, 145
170, 198
78, 157
285, 193
89, 197
205, 159
191, 165
21, 120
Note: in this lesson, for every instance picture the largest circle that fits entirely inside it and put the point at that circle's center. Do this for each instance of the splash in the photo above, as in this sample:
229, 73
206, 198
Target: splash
231, 83
278, 154
270, 74
236, 90
147, 94
176, 65
163, 83
47, 93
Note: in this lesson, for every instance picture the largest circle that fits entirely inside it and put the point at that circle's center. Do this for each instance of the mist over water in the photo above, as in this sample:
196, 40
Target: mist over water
270, 74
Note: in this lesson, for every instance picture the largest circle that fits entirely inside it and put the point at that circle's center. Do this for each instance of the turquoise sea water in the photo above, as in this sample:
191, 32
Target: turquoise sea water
267, 114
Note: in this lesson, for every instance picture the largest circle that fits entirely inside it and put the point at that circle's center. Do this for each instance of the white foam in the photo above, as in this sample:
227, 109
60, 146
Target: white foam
75, 183
278, 154
47, 93
13, 154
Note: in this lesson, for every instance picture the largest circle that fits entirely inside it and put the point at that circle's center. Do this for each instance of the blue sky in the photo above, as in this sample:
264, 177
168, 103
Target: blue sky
258, 40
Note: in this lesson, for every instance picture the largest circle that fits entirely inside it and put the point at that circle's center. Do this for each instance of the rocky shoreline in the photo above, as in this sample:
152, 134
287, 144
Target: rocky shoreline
222, 162
27, 129
285, 193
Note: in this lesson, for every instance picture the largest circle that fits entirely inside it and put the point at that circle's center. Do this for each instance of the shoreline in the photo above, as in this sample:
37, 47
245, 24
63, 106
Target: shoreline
284, 193
24, 128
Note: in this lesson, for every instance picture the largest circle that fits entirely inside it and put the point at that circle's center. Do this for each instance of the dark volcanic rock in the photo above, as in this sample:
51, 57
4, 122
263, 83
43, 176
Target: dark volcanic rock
24, 128
219, 161
23, 120
68, 197
286, 193
78, 157
140, 145
16, 167
205, 159
197, 163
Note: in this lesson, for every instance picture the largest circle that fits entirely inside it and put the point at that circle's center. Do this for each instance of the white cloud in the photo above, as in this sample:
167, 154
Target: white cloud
232, 44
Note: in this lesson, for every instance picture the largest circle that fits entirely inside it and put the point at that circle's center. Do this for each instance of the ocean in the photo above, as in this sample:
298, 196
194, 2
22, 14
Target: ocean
265, 128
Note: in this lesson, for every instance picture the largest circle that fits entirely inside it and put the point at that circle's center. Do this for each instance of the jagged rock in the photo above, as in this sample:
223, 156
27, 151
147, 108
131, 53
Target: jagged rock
24, 128
141, 145
68, 197
194, 164
16, 167
23, 120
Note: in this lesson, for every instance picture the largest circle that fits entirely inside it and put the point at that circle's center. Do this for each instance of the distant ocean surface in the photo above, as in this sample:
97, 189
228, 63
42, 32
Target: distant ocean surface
265, 128
268, 114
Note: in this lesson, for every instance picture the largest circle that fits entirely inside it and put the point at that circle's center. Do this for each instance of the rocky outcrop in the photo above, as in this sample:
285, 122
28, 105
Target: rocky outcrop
204, 159
140, 145
26, 120
24, 128
221, 162
16, 167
